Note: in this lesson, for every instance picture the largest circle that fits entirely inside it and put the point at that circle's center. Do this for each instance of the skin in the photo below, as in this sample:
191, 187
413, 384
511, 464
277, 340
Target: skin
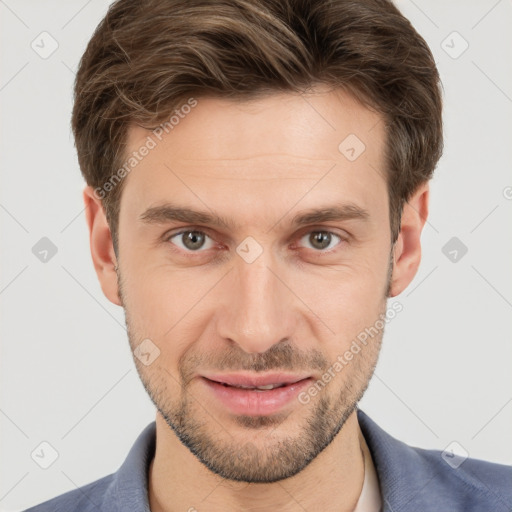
294, 308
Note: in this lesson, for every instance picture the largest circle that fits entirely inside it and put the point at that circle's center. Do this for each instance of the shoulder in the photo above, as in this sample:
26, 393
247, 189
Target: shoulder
126, 489
413, 478
470, 482
88, 498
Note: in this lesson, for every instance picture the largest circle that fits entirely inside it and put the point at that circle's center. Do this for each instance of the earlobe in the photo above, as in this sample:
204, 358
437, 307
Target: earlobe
407, 249
102, 249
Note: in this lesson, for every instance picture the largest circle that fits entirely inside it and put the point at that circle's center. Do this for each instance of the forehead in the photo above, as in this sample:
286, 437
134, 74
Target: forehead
273, 124
274, 150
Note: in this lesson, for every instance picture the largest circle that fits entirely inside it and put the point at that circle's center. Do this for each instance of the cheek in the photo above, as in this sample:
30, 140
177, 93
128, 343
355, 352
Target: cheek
348, 299
164, 303
161, 309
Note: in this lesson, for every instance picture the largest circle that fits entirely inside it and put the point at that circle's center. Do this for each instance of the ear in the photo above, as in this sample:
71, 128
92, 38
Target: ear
407, 249
102, 248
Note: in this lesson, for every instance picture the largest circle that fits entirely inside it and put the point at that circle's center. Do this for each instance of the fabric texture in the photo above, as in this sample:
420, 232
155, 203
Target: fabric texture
410, 479
370, 499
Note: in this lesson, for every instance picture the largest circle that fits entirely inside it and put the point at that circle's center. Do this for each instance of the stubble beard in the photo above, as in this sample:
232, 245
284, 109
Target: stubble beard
269, 454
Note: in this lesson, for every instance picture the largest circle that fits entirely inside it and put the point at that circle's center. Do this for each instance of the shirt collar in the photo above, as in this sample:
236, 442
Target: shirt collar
130, 485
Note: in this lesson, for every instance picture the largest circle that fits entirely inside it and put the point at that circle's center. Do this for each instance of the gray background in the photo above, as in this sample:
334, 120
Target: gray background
67, 375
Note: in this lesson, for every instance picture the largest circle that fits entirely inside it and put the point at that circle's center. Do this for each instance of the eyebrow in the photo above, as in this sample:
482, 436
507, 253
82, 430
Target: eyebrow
169, 213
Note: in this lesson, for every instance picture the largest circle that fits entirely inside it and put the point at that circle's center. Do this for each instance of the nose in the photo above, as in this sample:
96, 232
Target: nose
259, 308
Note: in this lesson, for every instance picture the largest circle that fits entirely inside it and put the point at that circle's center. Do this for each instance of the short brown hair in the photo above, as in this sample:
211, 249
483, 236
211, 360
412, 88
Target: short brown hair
147, 57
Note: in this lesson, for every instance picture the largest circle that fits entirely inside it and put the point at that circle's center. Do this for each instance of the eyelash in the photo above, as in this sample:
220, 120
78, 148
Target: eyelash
168, 237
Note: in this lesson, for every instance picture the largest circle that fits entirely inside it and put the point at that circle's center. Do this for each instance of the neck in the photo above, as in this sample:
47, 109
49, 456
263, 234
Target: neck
178, 481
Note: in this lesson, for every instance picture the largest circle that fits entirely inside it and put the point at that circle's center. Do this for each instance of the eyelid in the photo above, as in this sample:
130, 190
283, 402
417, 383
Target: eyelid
183, 229
326, 229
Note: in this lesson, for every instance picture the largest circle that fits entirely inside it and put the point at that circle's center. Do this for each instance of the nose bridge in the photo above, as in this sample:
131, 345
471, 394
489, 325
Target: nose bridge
259, 309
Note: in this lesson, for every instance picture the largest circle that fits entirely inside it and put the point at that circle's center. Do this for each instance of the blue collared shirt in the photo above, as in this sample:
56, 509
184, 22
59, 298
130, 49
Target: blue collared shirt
411, 479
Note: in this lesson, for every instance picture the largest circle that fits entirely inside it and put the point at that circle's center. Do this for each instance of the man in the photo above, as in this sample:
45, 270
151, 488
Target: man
257, 184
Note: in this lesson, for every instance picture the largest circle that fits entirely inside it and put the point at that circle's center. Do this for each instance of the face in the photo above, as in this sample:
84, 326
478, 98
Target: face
288, 263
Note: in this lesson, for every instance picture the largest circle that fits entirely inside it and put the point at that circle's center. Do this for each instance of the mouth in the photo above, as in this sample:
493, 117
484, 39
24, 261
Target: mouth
255, 388
251, 380
256, 395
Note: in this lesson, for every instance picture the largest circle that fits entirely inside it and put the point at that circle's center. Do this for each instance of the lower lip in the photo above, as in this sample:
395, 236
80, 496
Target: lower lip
256, 403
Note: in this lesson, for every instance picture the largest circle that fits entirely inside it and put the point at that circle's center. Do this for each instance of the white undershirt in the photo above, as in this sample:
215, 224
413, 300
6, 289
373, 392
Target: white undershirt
370, 499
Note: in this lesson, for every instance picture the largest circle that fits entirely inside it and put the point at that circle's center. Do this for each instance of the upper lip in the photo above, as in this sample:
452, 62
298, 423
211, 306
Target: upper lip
247, 379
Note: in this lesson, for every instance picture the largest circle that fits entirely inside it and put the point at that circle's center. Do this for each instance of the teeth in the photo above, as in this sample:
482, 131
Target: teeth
268, 386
